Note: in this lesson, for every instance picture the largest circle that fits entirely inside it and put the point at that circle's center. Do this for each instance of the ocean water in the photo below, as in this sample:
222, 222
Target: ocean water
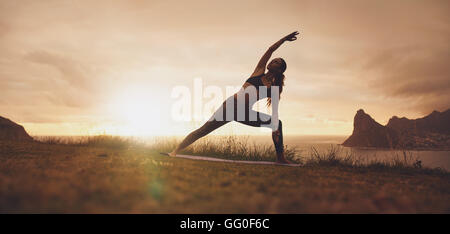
305, 144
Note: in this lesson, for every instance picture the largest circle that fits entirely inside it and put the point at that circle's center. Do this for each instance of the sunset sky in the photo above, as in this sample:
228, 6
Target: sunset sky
89, 67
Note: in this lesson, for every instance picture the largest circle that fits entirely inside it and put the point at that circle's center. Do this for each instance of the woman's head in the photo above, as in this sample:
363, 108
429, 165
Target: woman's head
277, 65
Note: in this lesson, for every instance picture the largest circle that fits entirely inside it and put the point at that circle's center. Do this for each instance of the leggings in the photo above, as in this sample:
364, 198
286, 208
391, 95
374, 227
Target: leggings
214, 122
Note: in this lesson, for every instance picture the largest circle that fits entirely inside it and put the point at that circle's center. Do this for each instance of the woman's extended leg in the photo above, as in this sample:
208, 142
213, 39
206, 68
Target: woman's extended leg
204, 130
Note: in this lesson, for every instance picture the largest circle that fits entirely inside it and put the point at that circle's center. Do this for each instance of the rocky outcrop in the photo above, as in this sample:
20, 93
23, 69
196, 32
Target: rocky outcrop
429, 132
11, 131
367, 132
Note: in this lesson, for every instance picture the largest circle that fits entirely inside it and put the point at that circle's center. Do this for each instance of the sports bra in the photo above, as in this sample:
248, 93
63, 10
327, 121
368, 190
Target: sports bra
257, 82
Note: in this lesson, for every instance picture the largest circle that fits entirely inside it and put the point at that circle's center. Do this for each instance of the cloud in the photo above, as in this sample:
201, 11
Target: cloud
72, 72
419, 75
73, 86
62, 58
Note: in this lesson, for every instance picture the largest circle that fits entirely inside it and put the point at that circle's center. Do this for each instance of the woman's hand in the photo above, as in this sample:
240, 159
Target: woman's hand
291, 37
261, 67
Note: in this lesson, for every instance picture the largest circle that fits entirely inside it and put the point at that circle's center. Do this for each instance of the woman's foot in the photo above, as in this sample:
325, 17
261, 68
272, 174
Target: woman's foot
173, 154
281, 159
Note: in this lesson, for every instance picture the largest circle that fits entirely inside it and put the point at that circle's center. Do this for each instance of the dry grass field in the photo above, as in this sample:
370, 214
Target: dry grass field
117, 176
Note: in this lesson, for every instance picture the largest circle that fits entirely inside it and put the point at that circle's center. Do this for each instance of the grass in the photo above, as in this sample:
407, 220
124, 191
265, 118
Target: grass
239, 148
334, 156
105, 174
116, 142
226, 147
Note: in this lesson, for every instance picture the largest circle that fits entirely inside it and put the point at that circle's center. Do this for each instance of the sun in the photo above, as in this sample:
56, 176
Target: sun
136, 112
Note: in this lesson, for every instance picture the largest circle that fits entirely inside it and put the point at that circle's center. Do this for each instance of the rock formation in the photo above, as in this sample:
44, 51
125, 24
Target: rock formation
429, 132
11, 131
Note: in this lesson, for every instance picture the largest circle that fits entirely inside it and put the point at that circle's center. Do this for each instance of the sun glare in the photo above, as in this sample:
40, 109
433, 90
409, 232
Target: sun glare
136, 112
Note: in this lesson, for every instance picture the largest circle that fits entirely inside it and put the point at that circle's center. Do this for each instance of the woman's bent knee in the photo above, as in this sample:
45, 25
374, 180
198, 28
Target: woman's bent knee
276, 126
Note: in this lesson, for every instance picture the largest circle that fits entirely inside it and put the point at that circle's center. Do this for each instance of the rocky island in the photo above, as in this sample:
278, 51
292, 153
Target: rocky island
431, 132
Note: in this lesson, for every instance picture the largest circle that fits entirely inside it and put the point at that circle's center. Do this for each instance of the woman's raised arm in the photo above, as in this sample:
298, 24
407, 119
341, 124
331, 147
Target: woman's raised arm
261, 67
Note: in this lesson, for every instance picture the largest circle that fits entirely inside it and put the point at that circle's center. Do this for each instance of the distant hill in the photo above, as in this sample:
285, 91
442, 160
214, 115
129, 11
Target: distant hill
429, 132
12, 132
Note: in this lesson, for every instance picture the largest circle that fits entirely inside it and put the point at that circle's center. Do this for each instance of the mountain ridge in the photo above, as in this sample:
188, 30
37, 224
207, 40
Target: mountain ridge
429, 132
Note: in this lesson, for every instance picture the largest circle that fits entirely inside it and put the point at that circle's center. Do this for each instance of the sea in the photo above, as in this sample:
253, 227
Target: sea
306, 145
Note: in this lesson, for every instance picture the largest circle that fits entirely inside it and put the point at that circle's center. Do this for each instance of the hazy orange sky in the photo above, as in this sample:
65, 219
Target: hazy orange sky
87, 67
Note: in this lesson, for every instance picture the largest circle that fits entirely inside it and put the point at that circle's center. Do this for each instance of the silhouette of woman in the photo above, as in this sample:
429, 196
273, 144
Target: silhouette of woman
260, 85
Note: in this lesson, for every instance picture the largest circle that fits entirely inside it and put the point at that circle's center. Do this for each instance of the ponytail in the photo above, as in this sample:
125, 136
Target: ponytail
279, 81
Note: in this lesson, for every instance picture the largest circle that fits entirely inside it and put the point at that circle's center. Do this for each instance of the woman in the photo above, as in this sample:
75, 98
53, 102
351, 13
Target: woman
262, 85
